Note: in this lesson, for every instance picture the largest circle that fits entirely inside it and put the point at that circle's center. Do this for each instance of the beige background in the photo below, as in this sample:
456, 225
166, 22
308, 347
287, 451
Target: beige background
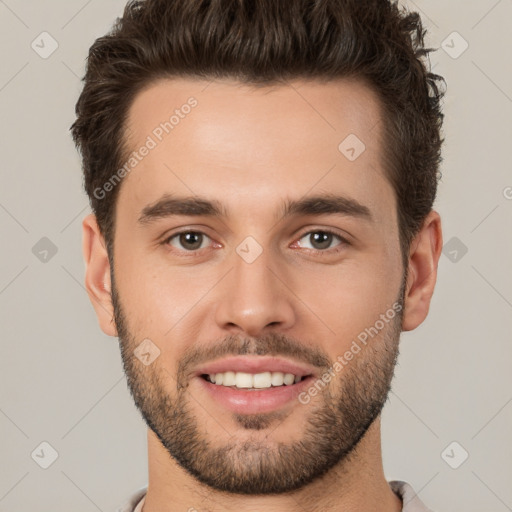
61, 378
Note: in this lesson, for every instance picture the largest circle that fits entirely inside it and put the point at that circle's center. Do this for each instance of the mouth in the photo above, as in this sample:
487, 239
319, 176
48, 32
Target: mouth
253, 381
254, 384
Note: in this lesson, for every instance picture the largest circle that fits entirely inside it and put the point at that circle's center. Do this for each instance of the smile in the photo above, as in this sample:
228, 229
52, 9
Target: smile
249, 381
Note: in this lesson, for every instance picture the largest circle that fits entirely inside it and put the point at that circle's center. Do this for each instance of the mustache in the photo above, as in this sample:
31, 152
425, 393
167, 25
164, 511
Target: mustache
271, 344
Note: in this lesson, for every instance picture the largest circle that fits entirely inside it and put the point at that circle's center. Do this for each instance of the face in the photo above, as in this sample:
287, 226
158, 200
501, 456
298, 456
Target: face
226, 263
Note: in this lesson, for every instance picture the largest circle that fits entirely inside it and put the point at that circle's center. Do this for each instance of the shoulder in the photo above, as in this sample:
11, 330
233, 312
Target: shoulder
410, 500
133, 500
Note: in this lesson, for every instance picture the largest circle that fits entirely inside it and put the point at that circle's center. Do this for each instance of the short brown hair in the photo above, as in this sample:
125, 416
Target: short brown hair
266, 42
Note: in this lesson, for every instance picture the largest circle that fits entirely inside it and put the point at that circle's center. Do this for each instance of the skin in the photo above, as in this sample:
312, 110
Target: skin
249, 147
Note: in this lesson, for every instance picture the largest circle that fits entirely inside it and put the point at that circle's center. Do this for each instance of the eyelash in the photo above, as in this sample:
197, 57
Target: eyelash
195, 253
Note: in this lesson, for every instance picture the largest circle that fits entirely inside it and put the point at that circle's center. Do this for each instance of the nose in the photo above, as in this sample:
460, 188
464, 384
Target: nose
255, 297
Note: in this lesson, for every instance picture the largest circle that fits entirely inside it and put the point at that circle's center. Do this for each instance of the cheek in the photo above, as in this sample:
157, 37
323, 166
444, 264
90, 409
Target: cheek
162, 303
148, 296
351, 299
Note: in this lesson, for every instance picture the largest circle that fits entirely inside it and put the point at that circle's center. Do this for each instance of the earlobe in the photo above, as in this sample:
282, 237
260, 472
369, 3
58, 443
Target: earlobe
422, 272
97, 274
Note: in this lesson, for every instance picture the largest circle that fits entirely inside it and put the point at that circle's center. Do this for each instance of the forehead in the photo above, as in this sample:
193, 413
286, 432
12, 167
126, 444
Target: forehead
310, 109
265, 143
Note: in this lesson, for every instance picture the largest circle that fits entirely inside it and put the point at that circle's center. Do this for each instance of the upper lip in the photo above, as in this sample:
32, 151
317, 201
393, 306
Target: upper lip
255, 364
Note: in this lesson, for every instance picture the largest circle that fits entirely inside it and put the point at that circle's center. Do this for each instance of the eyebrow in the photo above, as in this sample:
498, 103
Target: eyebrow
325, 204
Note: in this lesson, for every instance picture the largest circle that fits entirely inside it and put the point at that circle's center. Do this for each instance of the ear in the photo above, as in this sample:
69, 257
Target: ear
97, 274
422, 274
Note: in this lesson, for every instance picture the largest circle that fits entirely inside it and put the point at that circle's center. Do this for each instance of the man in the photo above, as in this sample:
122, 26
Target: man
262, 176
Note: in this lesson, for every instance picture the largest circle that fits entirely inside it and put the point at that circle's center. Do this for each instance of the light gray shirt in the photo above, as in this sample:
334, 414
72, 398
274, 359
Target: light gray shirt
411, 502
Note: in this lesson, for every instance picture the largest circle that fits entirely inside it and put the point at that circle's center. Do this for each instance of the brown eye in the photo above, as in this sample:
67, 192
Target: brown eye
187, 240
321, 240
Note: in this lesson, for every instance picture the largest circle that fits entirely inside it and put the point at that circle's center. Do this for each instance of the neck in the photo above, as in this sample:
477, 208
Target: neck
356, 484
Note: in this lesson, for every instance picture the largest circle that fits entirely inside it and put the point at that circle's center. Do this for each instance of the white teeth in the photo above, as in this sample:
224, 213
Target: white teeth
243, 380
262, 380
257, 381
289, 378
277, 379
229, 379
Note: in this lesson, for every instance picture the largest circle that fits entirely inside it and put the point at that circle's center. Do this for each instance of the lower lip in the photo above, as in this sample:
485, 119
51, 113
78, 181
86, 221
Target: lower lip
244, 401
